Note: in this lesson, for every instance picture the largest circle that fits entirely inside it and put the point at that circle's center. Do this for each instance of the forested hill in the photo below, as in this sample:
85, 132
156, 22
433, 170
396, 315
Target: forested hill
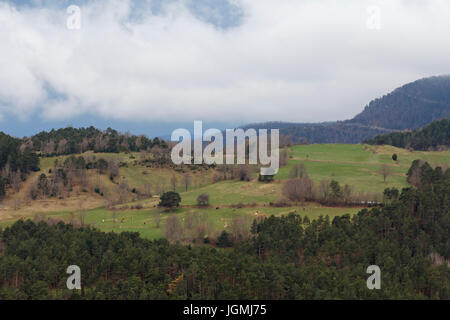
327, 132
432, 137
287, 257
77, 140
410, 107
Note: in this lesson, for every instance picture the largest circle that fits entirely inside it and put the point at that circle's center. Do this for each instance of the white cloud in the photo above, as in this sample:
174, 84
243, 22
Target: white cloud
288, 60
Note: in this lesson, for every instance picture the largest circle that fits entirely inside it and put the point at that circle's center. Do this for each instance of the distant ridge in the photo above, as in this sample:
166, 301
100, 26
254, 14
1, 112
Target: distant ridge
326, 132
409, 107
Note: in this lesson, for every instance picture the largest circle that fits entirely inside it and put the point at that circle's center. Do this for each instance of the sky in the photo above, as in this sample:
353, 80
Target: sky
151, 66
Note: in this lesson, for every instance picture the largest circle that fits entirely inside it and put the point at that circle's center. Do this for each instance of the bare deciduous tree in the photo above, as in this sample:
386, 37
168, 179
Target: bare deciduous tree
172, 229
204, 227
157, 220
17, 203
187, 179
298, 171
200, 232
84, 145
113, 168
161, 186
385, 171
143, 155
114, 216
347, 193
283, 158
190, 221
49, 147
84, 179
16, 180
82, 217
62, 144
240, 227
146, 190
123, 192
6, 171
173, 182
299, 189
324, 190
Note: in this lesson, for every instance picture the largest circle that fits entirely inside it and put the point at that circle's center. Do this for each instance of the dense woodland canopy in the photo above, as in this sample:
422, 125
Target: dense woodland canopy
432, 137
288, 257
16, 161
411, 106
332, 132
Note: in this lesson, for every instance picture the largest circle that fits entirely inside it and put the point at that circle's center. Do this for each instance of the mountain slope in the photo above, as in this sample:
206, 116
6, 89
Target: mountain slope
411, 106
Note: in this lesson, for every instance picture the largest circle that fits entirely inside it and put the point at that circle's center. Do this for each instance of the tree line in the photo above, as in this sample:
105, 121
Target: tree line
79, 140
434, 136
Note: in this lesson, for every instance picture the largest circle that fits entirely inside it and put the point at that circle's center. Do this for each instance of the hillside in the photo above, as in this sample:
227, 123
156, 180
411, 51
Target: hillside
432, 137
357, 168
287, 257
244, 220
411, 106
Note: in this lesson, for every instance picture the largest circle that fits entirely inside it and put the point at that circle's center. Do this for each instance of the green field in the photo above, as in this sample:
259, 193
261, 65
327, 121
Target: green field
142, 221
356, 165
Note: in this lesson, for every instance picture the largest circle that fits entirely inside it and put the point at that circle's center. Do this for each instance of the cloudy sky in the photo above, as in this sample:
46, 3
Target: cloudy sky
160, 63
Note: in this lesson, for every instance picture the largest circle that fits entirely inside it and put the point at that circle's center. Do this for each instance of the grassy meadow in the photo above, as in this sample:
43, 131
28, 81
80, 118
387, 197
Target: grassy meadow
356, 165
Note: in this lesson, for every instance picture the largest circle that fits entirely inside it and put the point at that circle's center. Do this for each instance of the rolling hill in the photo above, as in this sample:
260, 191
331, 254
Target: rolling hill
355, 165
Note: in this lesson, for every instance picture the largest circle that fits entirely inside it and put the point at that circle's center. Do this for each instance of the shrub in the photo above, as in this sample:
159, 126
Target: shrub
170, 199
224, 240
265, 178
203, 199
139, 206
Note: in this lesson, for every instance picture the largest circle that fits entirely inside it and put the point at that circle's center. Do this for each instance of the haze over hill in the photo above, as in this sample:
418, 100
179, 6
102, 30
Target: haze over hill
409, 107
